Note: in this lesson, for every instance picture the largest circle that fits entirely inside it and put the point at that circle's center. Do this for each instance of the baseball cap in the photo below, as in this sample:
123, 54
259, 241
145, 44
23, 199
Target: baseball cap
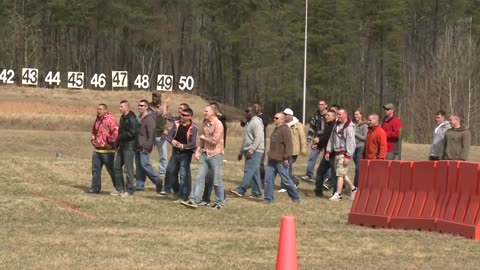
288, 111
389, 106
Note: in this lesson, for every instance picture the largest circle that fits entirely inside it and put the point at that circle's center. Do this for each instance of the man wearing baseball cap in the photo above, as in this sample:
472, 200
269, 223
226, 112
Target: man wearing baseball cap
392, 125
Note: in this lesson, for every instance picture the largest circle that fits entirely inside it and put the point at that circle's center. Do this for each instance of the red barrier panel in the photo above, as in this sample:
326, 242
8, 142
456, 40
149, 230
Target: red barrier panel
463, 203
369, 208
419, 198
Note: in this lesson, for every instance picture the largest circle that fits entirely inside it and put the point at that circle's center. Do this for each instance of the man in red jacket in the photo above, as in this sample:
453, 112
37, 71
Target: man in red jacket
392, 125
376, 142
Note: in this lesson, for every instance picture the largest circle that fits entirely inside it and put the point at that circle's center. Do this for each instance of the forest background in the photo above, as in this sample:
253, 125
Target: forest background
418, 54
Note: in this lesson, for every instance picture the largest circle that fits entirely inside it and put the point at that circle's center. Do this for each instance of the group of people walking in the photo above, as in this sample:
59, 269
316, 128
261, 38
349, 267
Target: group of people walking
331, 134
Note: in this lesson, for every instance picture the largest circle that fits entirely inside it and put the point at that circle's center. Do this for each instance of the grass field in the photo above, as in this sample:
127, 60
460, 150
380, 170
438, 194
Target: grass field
39, 229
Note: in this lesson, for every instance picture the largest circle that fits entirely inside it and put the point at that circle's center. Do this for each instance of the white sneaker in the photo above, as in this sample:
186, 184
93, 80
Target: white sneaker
306, 178
336, 197
352, 195
282, 190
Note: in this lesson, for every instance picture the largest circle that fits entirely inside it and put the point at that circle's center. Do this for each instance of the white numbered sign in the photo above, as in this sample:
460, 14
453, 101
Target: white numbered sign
164, 82
119, 79
142, 81
75, 80
6, 76
29, 76
185, 82
53, 79
99, 80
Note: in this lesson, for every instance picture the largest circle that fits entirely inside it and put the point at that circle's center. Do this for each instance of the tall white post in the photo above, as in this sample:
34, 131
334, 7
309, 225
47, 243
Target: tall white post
305, 64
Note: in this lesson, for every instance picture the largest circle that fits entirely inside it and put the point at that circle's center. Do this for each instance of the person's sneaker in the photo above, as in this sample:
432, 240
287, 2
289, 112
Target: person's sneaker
282, 190
325, 186
203, 203
116, 193
236, 193
352, 195
163, 193
307, 178
178, 201
296, 181
253, 197
336, 197
92, 191
139, 189
217, 206
189, 203
126, 195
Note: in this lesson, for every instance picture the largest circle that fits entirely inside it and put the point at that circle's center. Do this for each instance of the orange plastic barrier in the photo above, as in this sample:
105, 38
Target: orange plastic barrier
373, 191
442, 196
418, 202
463, 204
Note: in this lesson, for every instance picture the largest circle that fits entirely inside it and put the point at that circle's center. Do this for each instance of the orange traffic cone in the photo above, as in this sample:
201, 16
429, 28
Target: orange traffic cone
287, 245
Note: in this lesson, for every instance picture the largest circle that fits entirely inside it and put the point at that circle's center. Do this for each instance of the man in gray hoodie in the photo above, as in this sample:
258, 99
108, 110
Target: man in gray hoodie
252, 149
342, 143
145, 140
436, 150
457, 140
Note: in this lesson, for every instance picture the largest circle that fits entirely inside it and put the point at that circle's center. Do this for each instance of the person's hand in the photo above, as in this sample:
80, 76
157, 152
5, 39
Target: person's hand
327, 157
346, 162
316, 140
239, 157
314, 147
197, 155
248, 155
202, 137
93, 143
285, 163
108, 146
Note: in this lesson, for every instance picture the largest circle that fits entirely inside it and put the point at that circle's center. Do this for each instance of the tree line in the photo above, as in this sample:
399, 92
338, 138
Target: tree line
418, 54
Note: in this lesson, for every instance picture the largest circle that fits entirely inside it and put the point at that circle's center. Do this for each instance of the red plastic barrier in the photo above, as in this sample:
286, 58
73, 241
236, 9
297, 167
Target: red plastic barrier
463, 203
372, 193
416, 208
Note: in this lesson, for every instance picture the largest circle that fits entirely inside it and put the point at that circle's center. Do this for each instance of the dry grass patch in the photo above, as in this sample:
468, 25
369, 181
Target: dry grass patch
148, 232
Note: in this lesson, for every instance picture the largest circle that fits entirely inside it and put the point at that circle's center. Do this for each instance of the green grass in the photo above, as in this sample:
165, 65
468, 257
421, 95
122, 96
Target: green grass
148, 232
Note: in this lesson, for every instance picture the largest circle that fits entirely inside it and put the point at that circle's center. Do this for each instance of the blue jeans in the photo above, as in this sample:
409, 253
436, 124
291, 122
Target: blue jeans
98, 160
251, 175
356, 159
124, 158
180, 163
273, 168
207, 164
144, 169
314, 153
162, 147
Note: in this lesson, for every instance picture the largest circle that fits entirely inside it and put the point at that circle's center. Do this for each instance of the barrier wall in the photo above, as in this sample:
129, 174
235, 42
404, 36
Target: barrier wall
442, 196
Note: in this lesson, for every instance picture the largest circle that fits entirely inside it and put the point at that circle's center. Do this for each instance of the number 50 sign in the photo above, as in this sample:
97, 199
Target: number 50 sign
165, 82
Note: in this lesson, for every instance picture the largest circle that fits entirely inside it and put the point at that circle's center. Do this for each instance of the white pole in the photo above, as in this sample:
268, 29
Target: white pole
305, 64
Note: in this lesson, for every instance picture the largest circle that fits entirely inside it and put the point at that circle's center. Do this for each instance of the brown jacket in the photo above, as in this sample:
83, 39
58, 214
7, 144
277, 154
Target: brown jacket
281, 146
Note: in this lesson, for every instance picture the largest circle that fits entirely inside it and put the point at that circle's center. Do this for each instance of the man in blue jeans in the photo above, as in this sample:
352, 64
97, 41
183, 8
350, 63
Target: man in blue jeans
316, 129
145, 139
281, 148
183, 138
209, 152
252, 148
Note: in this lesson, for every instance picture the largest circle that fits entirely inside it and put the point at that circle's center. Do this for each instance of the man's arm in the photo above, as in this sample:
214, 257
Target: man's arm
382, 144
467, 141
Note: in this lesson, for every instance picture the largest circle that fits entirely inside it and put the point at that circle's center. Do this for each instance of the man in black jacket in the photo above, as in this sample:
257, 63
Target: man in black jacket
127, 132
322, 170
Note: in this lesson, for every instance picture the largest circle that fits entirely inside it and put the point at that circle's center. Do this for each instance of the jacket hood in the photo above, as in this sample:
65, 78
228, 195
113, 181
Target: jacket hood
460, 129
108, 115
293, 122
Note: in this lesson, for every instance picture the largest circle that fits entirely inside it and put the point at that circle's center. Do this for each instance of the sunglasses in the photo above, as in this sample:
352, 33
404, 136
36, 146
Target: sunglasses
185, 114
140, 105
276, 118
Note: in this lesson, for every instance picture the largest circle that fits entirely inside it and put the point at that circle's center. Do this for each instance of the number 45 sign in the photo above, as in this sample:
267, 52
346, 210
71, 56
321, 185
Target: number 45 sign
165, 82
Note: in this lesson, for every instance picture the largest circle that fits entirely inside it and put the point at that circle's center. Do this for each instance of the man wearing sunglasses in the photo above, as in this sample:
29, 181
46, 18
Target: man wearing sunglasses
183, 138
145, 141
